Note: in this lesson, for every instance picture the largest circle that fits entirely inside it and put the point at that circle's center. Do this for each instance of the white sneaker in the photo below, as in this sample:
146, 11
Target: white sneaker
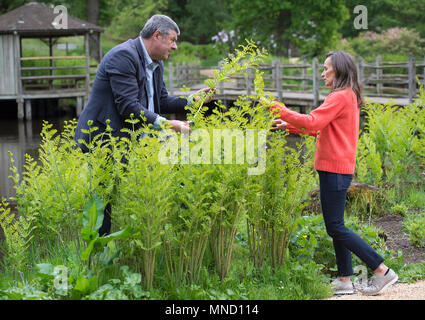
378, 283
342, 287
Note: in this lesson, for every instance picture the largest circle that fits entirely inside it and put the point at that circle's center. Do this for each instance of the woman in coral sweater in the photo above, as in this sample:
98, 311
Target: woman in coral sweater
336, 125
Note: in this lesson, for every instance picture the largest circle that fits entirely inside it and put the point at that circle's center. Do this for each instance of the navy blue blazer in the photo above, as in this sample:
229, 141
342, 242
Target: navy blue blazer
120, 89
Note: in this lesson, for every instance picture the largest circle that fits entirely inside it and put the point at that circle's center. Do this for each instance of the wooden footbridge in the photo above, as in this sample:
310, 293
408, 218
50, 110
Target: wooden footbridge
299, 84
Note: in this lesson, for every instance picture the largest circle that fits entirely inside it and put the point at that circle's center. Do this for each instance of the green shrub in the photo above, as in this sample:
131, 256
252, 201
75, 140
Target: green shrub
391, 145
414, 224
395, 43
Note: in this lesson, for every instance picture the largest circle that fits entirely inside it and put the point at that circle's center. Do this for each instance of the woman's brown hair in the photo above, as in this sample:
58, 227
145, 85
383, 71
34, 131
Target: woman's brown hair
345, 74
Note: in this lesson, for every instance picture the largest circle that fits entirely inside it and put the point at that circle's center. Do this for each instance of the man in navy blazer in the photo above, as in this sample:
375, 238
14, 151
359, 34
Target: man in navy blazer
130, 80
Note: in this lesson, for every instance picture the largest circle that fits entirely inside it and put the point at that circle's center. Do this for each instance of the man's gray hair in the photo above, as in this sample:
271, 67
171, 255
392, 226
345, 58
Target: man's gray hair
159, 22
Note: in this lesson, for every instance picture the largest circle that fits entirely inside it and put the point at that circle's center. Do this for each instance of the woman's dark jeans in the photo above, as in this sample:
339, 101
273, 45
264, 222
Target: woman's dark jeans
333, 192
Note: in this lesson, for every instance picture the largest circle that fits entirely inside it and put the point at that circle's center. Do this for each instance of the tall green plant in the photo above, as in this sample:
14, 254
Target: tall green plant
389, 146
280, 195
144, 199
18, 234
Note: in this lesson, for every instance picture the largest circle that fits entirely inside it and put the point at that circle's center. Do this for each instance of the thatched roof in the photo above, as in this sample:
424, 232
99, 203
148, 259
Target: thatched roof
36, 19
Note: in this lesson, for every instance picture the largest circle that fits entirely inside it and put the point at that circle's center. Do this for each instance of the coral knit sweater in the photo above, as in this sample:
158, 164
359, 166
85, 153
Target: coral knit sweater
336, 123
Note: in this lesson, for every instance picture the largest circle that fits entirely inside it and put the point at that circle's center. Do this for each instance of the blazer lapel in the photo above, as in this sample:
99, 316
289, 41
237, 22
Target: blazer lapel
139, 50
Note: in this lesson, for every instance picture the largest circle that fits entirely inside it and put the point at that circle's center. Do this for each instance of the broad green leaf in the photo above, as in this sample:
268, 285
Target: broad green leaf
86, 253
93, 213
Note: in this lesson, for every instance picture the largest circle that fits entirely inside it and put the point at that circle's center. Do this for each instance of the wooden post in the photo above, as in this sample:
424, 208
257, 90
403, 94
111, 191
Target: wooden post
18, 54
198, 72
248, 78
316, 84
99, 46
20, 103
304, 75
51, 62
220, 84
279, 79
378, 75
184, 74
28, 111
170, 78
412, 78
79, 107
360, 69
87, 53
423, 80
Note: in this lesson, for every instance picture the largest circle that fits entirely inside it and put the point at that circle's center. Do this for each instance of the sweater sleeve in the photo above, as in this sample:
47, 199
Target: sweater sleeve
293, 129
318, 118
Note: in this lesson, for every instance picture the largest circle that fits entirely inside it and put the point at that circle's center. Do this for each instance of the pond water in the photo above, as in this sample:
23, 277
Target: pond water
20, 137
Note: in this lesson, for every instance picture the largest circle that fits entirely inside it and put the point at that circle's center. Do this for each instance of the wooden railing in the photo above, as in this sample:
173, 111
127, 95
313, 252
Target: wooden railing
51, 81
379, 79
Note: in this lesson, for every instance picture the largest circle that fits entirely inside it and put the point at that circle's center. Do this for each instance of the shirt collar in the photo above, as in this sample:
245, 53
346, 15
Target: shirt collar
148, 60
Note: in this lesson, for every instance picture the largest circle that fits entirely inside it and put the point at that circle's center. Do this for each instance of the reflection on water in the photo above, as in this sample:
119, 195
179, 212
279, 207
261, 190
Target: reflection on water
20, 137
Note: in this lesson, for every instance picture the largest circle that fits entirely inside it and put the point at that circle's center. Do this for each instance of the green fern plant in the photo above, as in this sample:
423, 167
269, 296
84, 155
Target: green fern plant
17, 232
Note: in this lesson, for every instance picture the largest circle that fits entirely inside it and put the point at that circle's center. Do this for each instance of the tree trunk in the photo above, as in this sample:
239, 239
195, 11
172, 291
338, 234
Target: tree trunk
283, 44
92, 13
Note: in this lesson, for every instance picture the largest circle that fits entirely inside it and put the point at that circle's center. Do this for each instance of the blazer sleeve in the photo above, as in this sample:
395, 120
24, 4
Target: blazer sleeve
122, 72
171, 104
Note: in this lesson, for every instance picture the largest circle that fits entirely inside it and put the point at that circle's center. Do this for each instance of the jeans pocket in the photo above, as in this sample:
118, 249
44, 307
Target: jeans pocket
343, 181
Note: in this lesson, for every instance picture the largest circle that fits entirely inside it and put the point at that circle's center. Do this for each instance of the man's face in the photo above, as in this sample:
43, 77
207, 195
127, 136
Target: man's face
163, 45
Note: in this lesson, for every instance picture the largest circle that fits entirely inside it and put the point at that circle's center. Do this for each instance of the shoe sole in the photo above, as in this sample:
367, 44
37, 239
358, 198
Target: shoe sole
383, 288
344, 292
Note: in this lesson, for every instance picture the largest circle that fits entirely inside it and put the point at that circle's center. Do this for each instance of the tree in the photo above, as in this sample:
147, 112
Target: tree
8, 5
386, 14
198, 20
311, 26
131, 16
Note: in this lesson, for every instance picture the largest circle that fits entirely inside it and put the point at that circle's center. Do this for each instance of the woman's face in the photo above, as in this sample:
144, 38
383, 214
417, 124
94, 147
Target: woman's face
328, 74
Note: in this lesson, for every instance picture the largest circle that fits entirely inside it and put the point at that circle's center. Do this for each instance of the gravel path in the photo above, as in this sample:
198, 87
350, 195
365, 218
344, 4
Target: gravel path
398, 291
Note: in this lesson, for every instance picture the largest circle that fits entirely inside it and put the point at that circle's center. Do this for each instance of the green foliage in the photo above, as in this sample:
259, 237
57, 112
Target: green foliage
144, 201
390, 147
53, 191
278, 198
394, 44
18, 234
131, 15
187, 15
92, 221
188, 53
414, 224
310, 242
117, 289
386, 14
196, 220
312, 26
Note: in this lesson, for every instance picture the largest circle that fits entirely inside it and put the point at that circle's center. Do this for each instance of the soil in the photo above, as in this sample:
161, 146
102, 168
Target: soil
397, 239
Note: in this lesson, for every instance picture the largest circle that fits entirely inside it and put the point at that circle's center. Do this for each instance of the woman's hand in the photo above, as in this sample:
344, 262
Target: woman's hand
279, 124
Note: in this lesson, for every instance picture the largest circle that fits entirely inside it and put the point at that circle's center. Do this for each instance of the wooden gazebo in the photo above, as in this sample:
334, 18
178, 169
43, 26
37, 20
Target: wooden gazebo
35, 20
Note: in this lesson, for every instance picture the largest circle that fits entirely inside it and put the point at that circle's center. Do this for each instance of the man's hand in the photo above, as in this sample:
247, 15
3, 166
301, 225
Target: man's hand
203, 91
279, 124
179, 126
